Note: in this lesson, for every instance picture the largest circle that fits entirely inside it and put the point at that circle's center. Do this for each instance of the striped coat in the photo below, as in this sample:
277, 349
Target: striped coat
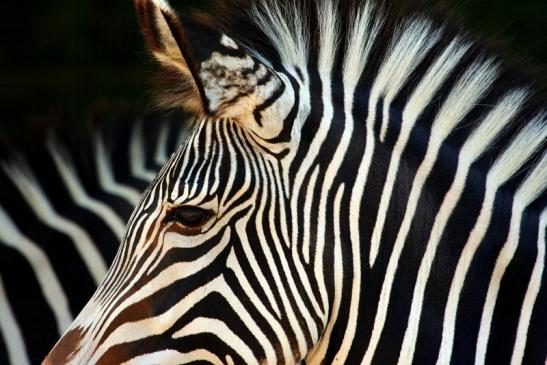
358, 187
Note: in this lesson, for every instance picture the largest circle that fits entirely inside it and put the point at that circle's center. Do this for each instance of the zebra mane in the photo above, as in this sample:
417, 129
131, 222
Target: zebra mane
351, 38
384, 44
299, 32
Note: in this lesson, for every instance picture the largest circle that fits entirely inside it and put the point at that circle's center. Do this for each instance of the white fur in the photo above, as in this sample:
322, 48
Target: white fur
17, 352
363, 32
421, 97
228, 42
408, 50
106, 175
67, 171
531, 295
463, 97
43, 270
286, 28
137, 155
479, 141
512, 159
160, 154
24, 180
329, 34
529, 190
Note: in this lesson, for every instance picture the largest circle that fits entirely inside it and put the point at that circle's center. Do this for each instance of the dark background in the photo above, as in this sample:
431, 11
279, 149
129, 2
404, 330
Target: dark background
66, 60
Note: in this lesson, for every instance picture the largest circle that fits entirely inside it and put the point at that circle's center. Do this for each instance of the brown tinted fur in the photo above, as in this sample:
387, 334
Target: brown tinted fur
231, 17
64, 350
175, 89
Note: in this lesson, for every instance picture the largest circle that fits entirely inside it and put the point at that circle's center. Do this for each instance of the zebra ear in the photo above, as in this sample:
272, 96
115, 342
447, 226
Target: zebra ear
166, 41
204, 70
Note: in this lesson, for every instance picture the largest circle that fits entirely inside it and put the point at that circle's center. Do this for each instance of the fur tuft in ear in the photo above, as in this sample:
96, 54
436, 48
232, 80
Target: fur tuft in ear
166, 41
209, 73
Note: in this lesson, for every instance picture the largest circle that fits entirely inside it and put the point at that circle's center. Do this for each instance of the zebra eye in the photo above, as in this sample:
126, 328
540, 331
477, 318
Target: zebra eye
189, 217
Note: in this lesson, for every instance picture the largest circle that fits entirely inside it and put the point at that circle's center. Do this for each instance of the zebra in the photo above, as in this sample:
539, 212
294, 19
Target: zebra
62, 215
358, 186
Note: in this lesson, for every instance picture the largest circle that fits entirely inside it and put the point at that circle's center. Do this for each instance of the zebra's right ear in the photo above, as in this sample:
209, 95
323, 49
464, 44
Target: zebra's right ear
208, 73
166, 41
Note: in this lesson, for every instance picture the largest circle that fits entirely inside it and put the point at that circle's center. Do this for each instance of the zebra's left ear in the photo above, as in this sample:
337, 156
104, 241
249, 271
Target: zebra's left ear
206, 71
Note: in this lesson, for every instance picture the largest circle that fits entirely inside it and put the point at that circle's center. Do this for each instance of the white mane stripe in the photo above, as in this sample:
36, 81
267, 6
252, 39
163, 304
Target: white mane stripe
479, 141
527, 192
287, 29
520, 150
531, 295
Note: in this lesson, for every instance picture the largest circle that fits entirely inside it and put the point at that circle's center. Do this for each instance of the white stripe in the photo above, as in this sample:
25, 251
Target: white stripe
189, 165
66, 169
474, 147
134, 331
462, 98
276, 189
17, 352
419, 100
245, 317
106, 175
317, 354
178, 271
308, 201
532, 293
173, 357
241, 233
38, 260
137, 156
363, 35
160, 155
36, 198
280, 333
246, 168
520, 150
521, 200
220, 330
403, 57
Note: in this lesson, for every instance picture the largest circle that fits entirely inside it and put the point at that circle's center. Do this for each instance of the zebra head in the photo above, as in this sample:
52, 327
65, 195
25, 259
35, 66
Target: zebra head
211, 266
336, 198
